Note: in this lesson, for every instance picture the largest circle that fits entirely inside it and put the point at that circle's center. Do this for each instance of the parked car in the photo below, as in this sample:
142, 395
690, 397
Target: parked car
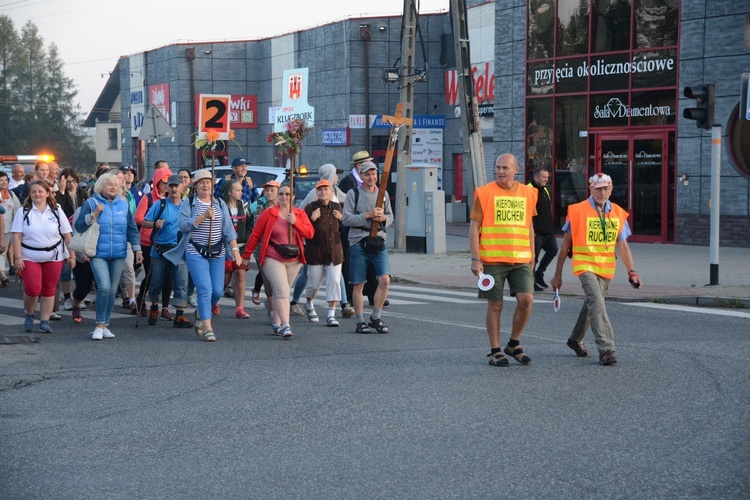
260, 175
303, 184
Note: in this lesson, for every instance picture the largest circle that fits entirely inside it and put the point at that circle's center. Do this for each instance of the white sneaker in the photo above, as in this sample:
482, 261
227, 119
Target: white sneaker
97, 334
55, 317
106, 334
68, 305
286, 332
192, 302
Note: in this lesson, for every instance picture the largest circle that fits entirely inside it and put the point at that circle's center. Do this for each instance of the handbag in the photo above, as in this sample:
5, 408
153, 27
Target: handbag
286, 250
208, 252
86, 241
373, 244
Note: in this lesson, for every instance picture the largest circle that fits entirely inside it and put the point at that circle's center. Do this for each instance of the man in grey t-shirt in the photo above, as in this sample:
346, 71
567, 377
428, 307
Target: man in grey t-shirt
359, 213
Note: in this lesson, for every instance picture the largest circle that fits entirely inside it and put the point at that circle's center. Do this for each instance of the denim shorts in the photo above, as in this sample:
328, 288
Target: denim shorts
359, 260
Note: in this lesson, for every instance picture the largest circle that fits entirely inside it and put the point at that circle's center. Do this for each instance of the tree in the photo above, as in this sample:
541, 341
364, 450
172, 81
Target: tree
37, 101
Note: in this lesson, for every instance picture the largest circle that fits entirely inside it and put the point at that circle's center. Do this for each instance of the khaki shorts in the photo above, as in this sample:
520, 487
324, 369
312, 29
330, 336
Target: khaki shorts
520, 280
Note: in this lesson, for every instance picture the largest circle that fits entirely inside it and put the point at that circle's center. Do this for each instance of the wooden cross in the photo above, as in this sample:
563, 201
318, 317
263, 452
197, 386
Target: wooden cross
396, 121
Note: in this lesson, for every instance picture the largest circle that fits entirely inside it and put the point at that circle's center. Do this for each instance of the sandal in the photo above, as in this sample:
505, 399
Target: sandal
497, 359
4, 282
517, 354
77, 318
362, 328
209, 336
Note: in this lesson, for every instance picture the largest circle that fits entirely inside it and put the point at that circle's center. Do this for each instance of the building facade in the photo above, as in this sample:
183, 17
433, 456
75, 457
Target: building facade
590, 86
578, 86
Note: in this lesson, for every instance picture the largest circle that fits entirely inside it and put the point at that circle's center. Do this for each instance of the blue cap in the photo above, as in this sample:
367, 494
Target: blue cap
239, 161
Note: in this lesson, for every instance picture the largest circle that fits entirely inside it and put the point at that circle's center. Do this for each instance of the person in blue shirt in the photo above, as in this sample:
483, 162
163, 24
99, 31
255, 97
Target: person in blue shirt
239, 172
163, 217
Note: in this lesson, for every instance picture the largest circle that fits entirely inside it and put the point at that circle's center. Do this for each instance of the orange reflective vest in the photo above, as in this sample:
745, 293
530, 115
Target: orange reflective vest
506, 221
594, 245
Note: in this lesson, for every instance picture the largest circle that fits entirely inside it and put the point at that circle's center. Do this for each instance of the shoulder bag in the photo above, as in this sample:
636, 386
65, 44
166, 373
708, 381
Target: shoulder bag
86, 241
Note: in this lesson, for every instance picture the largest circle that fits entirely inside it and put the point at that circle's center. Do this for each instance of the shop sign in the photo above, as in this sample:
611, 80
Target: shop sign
159, 97
420, 121
615, 108
294, 99
427, 149
335, 136
359, 121
243, 111
652, 69
483, 76
136, 97
487, 110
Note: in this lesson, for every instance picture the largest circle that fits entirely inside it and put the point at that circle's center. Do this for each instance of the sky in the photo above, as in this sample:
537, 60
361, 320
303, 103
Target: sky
91, 35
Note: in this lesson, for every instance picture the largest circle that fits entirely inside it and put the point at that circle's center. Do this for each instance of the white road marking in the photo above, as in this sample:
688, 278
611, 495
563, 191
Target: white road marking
692, 309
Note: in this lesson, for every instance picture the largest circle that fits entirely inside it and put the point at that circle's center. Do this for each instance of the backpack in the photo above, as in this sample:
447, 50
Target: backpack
54, 247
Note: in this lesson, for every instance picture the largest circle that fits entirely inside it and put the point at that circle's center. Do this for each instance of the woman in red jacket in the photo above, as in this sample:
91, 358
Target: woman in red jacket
277, 248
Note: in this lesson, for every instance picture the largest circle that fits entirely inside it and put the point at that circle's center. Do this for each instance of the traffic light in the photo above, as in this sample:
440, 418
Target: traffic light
704, 113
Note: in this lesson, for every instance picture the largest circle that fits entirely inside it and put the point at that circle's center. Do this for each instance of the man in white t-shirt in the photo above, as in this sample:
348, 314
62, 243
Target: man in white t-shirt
17, 176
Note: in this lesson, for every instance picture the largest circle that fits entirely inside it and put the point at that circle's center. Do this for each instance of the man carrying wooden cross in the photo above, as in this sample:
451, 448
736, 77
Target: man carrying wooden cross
361, 211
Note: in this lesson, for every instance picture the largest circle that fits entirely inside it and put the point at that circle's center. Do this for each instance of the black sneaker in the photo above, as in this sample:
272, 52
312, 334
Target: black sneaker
153, 314
539, 281
378, 325
537, 288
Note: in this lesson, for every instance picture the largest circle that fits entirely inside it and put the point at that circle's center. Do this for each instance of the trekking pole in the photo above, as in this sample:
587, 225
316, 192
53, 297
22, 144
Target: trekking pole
147, 280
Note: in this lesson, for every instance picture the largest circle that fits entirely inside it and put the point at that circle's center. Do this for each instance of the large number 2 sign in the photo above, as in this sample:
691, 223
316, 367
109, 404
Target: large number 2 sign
213, 113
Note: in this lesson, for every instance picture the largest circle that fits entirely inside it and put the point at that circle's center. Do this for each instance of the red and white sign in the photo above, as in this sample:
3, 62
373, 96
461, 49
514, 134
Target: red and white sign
243, 111
294, 86
483, 76
159, 97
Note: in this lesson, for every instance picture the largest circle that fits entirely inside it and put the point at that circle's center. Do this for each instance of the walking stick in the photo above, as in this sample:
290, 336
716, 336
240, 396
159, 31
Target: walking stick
147, 280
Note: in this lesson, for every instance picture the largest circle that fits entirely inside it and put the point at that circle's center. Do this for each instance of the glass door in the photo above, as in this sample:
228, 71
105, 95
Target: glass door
637, 164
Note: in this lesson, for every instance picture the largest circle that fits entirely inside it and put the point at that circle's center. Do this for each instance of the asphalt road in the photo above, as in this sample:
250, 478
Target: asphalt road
418, 413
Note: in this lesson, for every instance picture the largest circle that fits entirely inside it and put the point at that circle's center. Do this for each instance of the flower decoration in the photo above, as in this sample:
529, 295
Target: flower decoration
211, 142
289, 141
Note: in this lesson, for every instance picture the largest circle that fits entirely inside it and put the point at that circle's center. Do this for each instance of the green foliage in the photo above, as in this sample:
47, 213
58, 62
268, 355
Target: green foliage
38, 112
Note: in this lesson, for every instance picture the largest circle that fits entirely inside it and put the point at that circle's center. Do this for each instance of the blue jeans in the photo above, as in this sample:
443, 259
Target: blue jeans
359, 259
159, 269
107, 276
300, 283
208, 275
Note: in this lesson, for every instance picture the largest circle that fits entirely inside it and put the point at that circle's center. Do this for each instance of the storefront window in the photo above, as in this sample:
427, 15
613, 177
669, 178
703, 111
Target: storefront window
609, 110
540, 78
539, 134
541, 29
656, 23
570, 121
653, 108
571, 170
611, 25
570, 75
573, 27
610, 72
654, 69
739, 137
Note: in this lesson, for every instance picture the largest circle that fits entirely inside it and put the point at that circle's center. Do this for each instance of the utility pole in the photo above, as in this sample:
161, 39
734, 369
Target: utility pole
408, 27
472, 131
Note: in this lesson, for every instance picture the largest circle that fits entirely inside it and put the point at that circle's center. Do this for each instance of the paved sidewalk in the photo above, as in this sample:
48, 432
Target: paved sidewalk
670, 273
